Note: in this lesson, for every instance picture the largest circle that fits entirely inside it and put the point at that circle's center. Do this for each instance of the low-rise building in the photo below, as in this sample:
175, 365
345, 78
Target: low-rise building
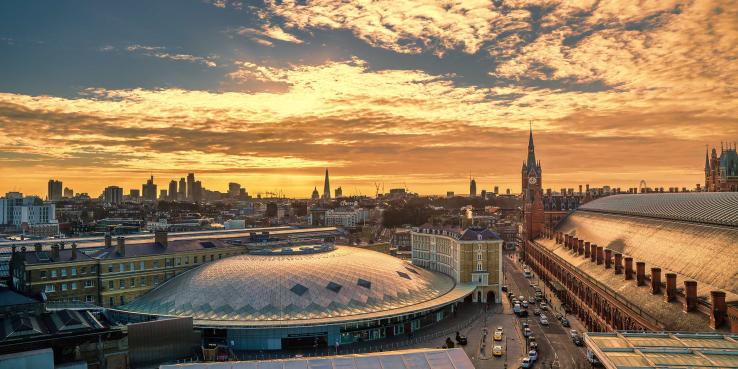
469, 256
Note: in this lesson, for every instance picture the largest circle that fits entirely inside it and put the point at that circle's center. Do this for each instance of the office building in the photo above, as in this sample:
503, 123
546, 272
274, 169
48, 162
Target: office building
234, 190
113, 195
172, 190
26, 212
197, 191
182, 193
472, 188
55, 190
134, 194
471, 256
68, 193
338, 192
190, 186
149, 190
346, 218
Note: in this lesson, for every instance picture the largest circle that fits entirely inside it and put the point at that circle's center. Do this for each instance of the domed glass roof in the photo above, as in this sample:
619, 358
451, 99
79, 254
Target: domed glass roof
345, 284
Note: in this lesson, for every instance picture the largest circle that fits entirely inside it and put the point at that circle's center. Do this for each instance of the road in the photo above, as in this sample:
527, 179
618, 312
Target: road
555, 346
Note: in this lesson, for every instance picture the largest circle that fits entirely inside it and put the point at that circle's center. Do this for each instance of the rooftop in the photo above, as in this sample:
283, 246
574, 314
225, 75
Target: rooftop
151, 248
405, 359
633, 350
469, 234
717, 208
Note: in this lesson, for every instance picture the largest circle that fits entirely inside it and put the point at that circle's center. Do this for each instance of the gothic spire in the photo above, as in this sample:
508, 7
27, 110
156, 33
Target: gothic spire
326, 186
531, 163
707, 160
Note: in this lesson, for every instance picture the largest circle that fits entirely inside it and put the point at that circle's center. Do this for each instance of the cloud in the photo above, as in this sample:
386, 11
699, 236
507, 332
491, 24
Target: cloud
270, 31
161, 53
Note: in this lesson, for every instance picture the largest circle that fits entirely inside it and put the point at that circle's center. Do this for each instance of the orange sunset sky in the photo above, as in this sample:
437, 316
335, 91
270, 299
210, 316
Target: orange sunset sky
408, 93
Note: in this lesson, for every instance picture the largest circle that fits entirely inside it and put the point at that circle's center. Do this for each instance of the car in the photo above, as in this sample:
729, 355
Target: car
532, 300
526, 325
565, 322
532, 285
573, 333
497, 350
537, 311
544, 306
544, 320
527, 332
498, 334
523, 313
533, 345
578, 340
533, 355
526, 363
517, 309
525, 304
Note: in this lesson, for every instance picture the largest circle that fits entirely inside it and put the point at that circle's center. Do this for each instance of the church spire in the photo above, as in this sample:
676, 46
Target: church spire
531, 163
707, 160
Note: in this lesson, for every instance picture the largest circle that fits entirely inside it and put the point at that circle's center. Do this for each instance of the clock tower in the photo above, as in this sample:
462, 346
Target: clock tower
532, 193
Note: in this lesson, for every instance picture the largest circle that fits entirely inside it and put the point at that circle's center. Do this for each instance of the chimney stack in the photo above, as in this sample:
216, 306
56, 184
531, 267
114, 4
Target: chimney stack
655, 281
690, 293
74, 250
640, 273
586, 250
600, 255
608, 258
593, 253
719, 309
580, 249
618, 263
108, 240
575, 244
160, 238
55, 252
670, 287
121, 247
37, 247
628, 267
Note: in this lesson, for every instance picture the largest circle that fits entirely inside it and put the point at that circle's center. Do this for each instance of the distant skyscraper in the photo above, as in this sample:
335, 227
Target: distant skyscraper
55, 190
326, 187
197, 191
497, 190
234, 189
182, 190
135, 194
113, 195
190, 186
68, 193
472, 188
172, 190
163, 195
339, 192
149, 190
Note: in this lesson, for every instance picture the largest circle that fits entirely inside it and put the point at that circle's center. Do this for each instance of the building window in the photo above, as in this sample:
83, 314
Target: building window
83, 270
122, 283
156, 264
179, 261
74, 271
110, 268
131, 266
63, 286
53, 273
122, 300
212, 257
168, 262
156, 280
89, 298
122, 267
93, 269
220, 256
399, 329
89, 283
112, 301
143, 281
110, 285
142, 265
63, 272
187, 260
43, 274
74, 285
195, 261
133, 282
50, 288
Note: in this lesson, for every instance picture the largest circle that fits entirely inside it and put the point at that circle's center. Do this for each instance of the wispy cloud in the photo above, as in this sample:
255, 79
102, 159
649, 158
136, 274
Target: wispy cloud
162, 52
270, 31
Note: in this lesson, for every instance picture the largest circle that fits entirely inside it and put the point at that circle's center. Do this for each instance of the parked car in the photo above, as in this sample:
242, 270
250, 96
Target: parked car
533, 345
498, 334
525, 304
526, 363
527, 332
565, 322
531, 300
533, 355
537, 311
544, 306
517, 309
497, 350
544, 320
523, 313
578, 340
525, 325
573, 333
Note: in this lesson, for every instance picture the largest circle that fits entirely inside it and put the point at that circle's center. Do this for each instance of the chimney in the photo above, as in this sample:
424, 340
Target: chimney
55, 252
608, 258
628, 267
160, 238
586, 250
37, 247
74, 250
108, 240
593, 253
574, 244
690, 293
600, 255
719, 309
670, 287
580, 249
640, 273
121, 247
655, 281
618, 263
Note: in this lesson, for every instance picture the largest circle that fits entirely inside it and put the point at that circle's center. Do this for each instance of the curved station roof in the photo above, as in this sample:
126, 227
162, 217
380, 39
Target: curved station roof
684, 233
271, 289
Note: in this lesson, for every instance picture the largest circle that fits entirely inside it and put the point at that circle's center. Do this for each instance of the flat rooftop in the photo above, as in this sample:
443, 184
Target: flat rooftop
634, 350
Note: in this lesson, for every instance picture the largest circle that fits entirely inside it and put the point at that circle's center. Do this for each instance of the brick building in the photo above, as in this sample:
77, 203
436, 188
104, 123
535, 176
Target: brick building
721, 171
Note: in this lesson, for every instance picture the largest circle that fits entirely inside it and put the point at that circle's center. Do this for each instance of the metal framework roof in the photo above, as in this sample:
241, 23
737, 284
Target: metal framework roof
406, 359
720, 208
634, 350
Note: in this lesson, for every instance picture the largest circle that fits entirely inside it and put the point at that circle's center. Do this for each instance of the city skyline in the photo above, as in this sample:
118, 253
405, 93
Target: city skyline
418, 97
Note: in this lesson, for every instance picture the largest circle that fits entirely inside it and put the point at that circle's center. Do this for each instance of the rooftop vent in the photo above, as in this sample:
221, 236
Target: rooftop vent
335, 287
364, 283
299, 289
403, 275
207, 244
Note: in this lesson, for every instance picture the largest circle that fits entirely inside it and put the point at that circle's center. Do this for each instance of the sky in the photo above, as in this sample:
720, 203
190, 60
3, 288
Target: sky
414, 94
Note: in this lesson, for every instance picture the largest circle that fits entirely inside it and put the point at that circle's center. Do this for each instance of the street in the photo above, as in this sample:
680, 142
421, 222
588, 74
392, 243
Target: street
556, 348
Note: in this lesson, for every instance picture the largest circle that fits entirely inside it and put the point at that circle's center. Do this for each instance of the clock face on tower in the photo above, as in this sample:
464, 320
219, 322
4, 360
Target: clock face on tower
532, 180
